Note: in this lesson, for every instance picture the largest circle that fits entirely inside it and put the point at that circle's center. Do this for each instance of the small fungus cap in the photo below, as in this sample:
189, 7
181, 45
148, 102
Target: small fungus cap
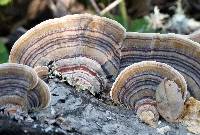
140, 67
19, 70
15, 82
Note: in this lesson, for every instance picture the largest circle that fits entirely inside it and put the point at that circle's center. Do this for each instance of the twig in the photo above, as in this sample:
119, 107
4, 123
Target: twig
94, 4
109, 7
123, 12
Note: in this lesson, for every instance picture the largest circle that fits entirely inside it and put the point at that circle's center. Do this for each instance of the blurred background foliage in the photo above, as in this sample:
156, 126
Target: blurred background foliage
3, 50
5, 2
3, 53
163, 16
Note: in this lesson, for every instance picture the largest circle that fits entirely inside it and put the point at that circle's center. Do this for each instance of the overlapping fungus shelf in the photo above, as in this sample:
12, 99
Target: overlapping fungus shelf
136, 85
39, 97
16, 82
86, 39
175, 50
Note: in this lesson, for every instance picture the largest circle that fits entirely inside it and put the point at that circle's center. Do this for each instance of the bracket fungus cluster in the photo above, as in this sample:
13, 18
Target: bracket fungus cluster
137, 85
179, 52
151, 72
84, 48
21, 89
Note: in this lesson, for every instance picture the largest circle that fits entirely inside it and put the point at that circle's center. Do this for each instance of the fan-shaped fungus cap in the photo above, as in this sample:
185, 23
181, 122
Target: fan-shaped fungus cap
83, 73
177, 51
21, 88
73, 36
39, 97
15, 82
138, 82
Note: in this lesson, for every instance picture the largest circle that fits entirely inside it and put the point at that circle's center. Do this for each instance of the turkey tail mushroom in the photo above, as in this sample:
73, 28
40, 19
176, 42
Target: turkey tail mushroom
136, 85
17, 81
177, 51
39, 97
91, 44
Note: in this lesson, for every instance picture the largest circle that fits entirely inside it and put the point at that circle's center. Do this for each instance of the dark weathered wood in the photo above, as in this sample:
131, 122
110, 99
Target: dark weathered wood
76, 113
9, 126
